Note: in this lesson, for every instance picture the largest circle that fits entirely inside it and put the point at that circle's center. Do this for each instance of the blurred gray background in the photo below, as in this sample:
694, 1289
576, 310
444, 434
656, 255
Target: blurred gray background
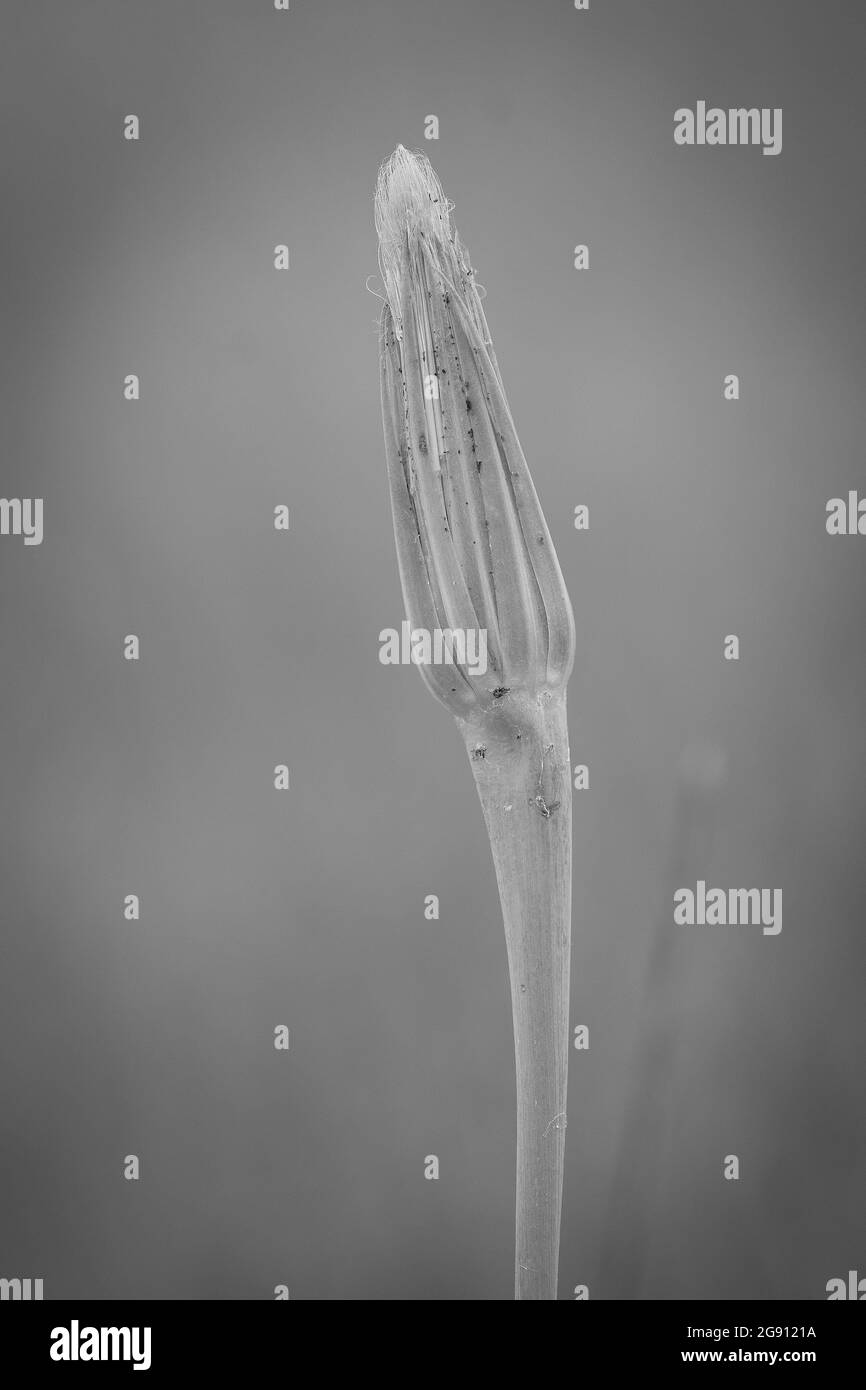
259, 908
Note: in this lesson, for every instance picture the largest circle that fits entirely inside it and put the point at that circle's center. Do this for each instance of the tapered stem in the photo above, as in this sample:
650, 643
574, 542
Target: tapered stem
519, 755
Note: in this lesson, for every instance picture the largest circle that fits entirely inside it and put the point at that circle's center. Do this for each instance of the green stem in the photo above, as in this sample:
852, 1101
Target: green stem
518, 749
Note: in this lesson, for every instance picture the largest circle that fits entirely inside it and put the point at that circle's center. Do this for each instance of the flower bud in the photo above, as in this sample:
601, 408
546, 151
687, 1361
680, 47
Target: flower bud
473, 548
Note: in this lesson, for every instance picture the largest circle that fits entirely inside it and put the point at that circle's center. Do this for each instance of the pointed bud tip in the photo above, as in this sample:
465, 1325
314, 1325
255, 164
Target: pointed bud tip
408, 192
409, 200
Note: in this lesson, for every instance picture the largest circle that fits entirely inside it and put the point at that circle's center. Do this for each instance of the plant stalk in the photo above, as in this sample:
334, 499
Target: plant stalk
475, 554
519, 754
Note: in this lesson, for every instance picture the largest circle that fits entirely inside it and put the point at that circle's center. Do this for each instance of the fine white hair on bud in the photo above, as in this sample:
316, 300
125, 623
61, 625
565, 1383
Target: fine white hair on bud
410, 206
409, 199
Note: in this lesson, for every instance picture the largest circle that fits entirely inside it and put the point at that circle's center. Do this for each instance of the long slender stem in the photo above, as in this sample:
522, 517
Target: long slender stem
520, 758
